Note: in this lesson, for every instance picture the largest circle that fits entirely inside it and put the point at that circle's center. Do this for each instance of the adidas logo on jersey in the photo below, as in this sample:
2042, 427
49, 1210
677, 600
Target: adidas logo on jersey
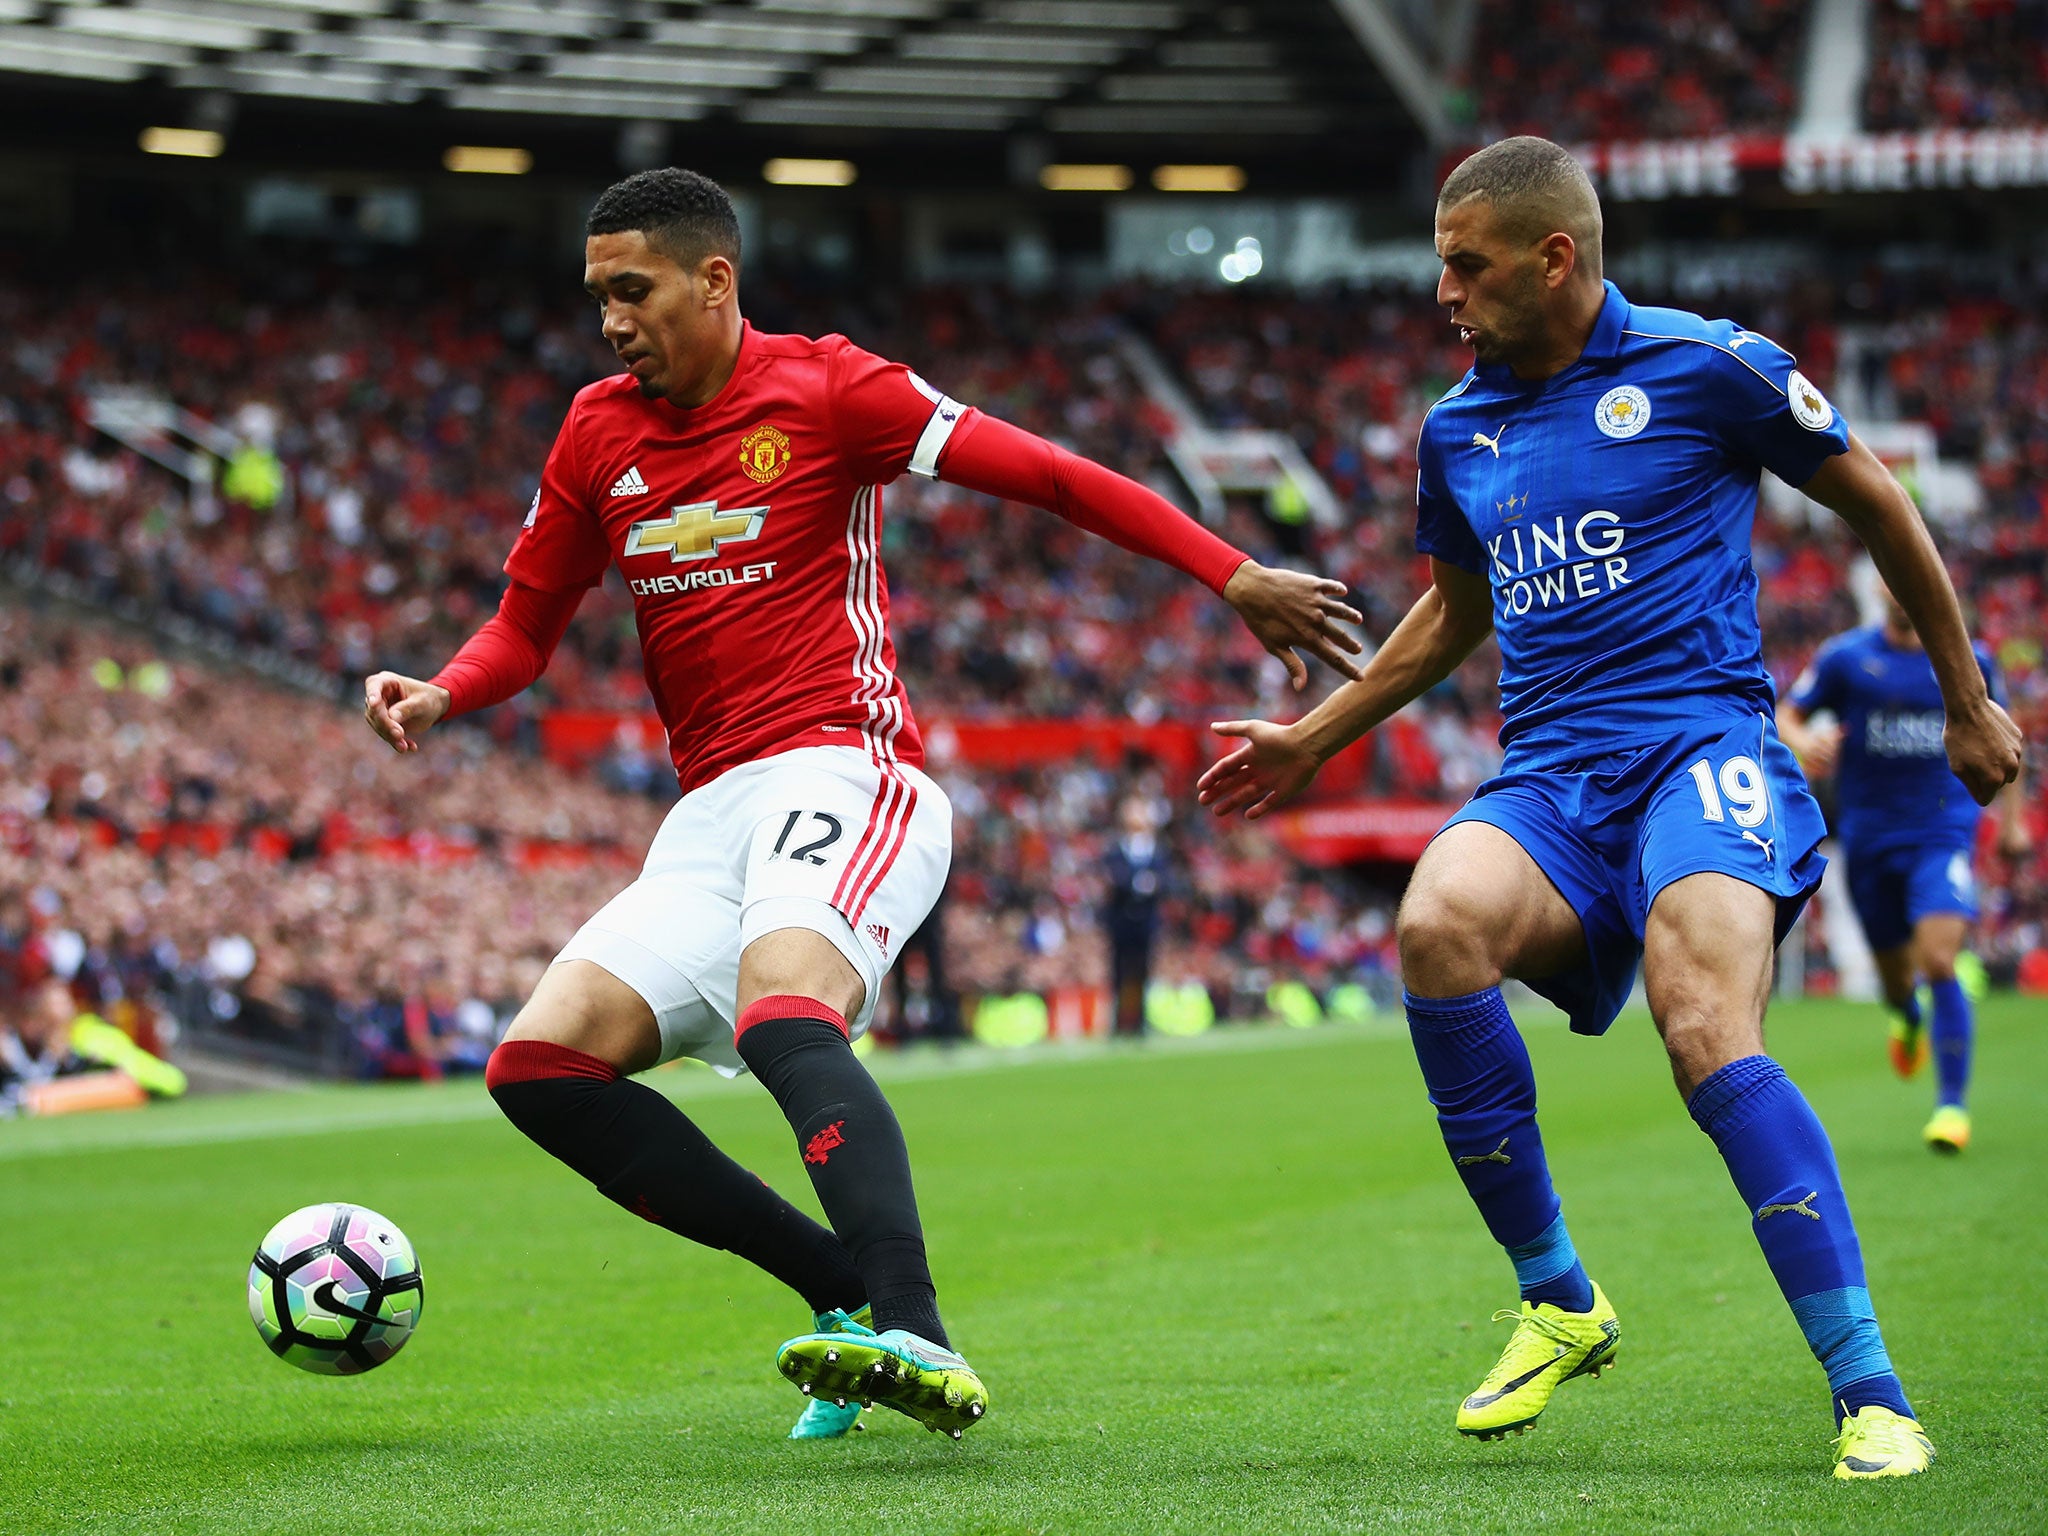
630, 483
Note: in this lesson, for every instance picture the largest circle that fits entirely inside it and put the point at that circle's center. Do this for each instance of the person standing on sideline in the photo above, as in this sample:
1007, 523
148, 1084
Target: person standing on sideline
1136, 874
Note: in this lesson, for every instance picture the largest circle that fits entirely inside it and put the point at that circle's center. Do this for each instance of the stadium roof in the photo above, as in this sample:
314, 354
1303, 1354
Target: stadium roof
1278, 79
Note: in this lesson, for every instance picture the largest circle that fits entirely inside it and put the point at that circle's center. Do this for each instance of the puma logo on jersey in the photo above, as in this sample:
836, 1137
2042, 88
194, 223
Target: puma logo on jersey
1481, 440
697, 531
1761, 842
1741, 340
1498, 1155
630, 483
1794, 1207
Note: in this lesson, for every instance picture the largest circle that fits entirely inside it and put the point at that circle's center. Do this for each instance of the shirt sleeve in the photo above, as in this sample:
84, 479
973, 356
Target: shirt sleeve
1770, 413
562, 545
886, 418
997, 459
1440, 527
511, 651
1820, 685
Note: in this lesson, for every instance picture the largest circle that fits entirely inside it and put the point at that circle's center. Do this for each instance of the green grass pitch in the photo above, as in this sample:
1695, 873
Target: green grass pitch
1230, 1286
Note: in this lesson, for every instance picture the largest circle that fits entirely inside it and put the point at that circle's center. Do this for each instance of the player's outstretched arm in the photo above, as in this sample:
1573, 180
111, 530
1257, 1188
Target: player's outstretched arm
499, 660
1815, 748
2015, 840
1286, 611
1984, 746
1276, 762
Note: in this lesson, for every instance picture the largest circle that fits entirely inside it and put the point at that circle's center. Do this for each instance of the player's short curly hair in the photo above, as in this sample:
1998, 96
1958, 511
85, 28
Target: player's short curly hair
1537, 188
687, 215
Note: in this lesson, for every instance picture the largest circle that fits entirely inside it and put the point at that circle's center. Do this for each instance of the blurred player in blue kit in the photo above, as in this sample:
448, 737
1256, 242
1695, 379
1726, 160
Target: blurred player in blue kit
1909, 829
1586, 494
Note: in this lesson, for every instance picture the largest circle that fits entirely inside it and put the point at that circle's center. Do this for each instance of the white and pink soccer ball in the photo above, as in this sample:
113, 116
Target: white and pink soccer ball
335, 1289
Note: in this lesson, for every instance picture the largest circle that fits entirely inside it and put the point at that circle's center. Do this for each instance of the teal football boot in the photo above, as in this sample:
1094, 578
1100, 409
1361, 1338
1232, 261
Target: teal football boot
825, 1419
919, 1379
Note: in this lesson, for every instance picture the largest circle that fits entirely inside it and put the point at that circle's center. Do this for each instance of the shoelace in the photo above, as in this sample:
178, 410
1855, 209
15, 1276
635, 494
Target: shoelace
1887, 1436
1548, 1327
1556, 1332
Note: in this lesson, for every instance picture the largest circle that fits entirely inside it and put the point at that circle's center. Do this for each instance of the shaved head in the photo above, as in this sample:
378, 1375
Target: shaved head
1535, 188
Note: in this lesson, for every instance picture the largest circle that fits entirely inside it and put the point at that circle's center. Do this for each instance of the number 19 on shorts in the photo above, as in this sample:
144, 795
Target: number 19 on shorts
1738, 793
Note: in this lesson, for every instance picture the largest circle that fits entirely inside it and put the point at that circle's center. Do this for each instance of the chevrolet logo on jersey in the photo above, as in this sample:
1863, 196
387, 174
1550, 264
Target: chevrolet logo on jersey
695, 532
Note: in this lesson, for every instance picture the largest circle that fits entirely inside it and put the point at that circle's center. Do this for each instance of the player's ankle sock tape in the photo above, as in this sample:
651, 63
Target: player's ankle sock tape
1785, 1171
1479, 1078
852, 1148
1548, 1270
648, 1156
1951, 1033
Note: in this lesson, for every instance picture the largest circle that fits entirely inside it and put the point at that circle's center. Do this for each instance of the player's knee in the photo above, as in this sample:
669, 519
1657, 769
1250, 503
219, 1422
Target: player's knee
583, 1007
1939, 965
796, 962
1700, 1040
1443, 944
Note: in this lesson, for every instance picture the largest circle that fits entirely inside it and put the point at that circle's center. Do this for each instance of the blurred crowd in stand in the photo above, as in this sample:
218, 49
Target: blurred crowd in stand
172, 830
1956, 64
1585, 70
180, 841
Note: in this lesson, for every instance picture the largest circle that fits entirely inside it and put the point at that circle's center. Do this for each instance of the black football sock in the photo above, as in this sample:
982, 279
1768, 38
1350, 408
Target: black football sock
648, 1156
853, 1149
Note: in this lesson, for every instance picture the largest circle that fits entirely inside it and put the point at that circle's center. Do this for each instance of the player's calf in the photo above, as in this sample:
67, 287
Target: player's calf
852, 1148
646, 1155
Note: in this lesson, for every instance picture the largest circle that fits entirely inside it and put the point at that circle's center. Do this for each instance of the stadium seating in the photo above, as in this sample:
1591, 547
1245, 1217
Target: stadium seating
411, 451
1582, 70
1961, 64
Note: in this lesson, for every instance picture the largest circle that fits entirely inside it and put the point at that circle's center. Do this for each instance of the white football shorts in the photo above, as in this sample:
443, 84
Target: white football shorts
822, 838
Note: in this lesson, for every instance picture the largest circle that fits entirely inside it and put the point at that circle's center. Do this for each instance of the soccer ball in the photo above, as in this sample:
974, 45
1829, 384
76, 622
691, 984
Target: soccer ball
335, 1289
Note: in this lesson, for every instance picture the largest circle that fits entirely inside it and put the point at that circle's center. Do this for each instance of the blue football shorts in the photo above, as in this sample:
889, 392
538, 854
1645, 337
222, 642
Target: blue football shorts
1893, 888
1612, 832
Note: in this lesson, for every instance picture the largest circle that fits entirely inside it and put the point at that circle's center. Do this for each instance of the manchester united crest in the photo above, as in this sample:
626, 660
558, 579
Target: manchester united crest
764, 454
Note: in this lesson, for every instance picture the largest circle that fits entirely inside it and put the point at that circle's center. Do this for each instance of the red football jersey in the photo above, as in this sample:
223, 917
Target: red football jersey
749, 532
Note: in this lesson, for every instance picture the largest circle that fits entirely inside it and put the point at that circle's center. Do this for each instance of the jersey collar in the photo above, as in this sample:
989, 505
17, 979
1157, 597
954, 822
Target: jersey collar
1605, 342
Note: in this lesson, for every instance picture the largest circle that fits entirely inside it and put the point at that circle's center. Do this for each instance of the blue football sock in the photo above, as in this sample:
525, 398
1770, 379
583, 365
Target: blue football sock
1953, 1029
1909, 1010
1479, 1078
1784, 1169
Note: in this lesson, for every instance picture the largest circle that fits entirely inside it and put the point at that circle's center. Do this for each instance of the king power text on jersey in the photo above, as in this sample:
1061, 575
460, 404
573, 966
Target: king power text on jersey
1541, 566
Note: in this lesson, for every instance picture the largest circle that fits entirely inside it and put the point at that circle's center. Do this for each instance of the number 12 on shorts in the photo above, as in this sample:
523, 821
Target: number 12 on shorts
813, 851
1742, 794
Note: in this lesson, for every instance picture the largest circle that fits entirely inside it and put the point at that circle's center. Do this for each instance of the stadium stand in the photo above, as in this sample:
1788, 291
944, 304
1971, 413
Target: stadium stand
1580, 70
181, 841
1956, 64
203, 868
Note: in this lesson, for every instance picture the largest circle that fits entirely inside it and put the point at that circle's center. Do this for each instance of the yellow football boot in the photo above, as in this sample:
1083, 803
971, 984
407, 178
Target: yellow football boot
1949, 1130
1876, 1442
1548, 1347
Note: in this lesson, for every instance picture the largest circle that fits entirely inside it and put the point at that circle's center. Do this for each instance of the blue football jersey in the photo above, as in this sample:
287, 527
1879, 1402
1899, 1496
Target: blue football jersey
1893, 787
1610, 506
